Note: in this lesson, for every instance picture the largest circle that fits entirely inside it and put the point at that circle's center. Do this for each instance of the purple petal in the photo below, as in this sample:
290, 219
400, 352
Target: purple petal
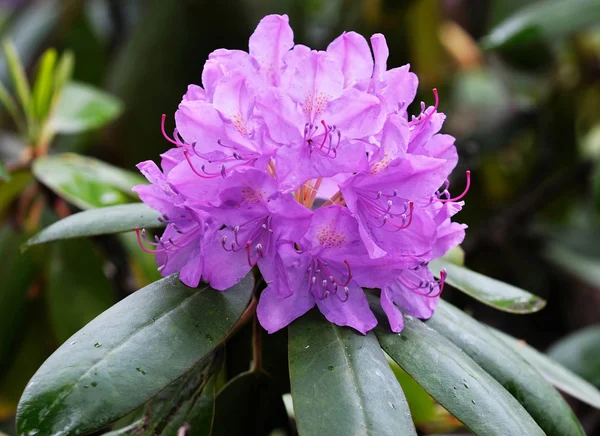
354, 312
271, 40
352, 52
274, 312
395, 317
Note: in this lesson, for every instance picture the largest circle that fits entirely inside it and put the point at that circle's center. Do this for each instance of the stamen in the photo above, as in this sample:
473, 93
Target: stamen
418, 120
189, 161
140, 243
162, 129
411, 207
464, 192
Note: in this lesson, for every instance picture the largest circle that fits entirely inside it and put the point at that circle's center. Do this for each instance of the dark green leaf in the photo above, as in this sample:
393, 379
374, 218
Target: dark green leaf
548, 20
149, 340
554, 372
83, 107
492, 292
87, 183
455, 380
248, 404
113, 219
579, 353
75, 298
526, 384
17, 274
342, 383
190, 398
422, 406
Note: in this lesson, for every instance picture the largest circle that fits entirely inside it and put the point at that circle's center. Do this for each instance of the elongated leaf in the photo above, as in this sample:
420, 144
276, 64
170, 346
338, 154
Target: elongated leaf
42, 90
342, 383
190, 398
492, 292
455, 380
83, 107
526, 384
554, 372
75, 298
148, 339
17, 74
256, 404
579, 353
543, 19
88, 183
11, 107
113, 219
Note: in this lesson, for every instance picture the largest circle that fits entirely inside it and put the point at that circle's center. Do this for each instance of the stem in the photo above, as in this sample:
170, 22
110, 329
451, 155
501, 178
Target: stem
256, 345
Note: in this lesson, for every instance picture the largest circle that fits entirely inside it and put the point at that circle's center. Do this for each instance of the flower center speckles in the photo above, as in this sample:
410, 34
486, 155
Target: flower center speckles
330, 237
382, 164
252, 195
240, 125
315, 105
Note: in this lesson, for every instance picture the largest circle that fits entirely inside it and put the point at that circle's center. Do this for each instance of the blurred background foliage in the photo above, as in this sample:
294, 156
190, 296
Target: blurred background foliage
518, 79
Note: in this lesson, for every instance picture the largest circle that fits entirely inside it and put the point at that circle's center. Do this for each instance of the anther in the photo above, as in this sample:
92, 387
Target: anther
464, 192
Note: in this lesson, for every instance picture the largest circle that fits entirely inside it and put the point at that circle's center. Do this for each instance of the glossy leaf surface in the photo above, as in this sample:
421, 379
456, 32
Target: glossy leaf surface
106, 220
342, 383
492, 292
525, 383
455, 380
128, 354
86, 182
554, 372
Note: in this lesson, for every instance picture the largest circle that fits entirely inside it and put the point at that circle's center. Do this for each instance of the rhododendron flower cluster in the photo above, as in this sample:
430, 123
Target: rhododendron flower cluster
273, 133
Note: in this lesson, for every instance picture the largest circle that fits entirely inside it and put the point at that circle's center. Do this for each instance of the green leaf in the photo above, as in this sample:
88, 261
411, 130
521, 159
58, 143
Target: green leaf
93, 222
12, 108
579, 353
18, 76
492, 292
64, 71
86, 182
73, 298
149, 339
190, 398
547, 20
11, 189
455, 380
342, 383
554, 372
253, 400
42, 90
83, 107
422, 406
526, 384
17, 274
